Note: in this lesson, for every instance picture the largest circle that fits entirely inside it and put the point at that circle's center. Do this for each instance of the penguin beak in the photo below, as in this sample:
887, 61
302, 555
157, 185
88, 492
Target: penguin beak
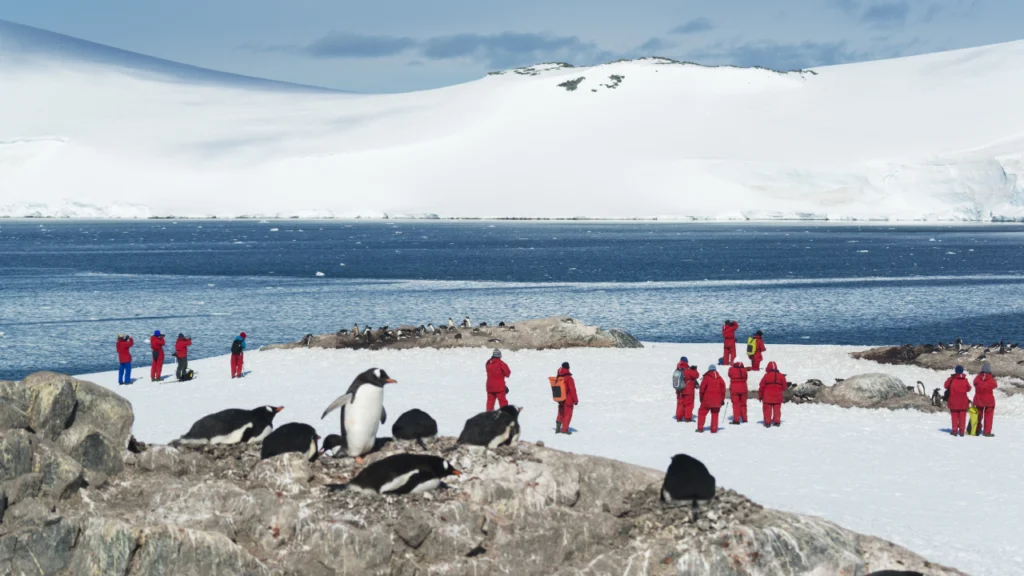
456, 472
391, 381
278, 409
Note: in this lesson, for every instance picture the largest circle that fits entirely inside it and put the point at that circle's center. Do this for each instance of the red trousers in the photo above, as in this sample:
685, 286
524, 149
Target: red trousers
156, 371
755, 362
772, 413
959, 421
499, 396
985, 417
684, 407
564, 415
739, 407
236, 365
702, 413
729, 355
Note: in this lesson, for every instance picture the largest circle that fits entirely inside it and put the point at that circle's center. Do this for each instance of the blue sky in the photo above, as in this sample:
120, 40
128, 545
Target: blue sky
401, 45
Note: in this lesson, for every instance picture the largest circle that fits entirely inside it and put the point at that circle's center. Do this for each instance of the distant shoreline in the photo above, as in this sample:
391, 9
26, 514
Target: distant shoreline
562, 220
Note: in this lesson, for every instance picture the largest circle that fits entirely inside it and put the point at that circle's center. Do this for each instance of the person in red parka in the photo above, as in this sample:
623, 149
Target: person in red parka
571, 400
712, 396
958, 387
156, 342
757, 356
497, 371
984, 400
770, 393
729, 337
684, 396
124, 358
181, 353
738, 391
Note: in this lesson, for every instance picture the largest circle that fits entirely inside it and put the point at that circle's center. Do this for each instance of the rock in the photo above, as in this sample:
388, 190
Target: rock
865, 391
61, 474
45, 550
105, 547
171, 550
170, 460
413, 528
15, 454
805, 392
11, 417
52, 403
103, 411
289, 473
92, 449
16, 394
23, 487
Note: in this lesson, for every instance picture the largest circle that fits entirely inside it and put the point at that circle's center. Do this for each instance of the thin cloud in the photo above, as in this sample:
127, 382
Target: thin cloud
848, 6
886, 14
779, 56
348, 45
695, 26
511, 48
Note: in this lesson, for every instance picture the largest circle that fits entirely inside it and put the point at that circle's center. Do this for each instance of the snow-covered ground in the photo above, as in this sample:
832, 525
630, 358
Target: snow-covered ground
897, 475
90, 131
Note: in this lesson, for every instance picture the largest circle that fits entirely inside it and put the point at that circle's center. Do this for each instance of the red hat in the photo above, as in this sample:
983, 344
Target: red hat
242, 335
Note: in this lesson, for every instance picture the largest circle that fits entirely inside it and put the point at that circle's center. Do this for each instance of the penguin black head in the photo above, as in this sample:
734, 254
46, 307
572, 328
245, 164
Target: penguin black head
268, 411
331, 442
376, 377
511, 410
444, 468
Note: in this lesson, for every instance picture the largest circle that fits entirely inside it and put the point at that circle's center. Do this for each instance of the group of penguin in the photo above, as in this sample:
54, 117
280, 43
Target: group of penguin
362, 412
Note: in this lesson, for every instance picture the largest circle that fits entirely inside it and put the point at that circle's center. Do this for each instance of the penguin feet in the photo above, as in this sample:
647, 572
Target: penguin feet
360, 460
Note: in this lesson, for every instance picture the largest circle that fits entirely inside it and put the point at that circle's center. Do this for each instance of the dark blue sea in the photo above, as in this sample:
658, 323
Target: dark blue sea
67, 288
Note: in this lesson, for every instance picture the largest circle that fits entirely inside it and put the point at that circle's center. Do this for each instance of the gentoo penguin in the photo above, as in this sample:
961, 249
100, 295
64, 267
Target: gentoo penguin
333, 444
467, 323
451, 323
403, 474
233, 426
492, 429
362, 411
355, 330
430, 328
292, 437
687, 479
414, 425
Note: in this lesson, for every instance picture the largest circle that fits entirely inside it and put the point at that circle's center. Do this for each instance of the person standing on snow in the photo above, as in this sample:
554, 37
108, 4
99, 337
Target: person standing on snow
497, 371
156, 342
984, 400
124, 359
237, 355
770, 393
566, 406
738, 391
181, 353
729, 338
712, 396
684, 396
958, 403
756, 353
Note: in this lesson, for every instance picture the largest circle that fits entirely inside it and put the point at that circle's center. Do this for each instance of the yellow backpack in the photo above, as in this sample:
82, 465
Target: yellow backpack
973, 426
557, 388
751, 346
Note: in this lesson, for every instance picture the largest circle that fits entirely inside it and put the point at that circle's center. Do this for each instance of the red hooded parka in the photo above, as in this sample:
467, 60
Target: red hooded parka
958, 387
712, 390
497, 371
772, 386
123, 350
984, 384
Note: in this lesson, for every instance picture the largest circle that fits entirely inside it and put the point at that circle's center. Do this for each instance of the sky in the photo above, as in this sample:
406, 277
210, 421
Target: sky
404, 45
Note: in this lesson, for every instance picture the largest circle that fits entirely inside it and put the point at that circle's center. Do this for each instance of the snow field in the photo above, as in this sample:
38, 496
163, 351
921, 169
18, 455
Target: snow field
897, 475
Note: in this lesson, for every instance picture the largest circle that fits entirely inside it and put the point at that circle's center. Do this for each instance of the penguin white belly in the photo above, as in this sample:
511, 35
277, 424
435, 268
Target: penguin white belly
362, 417
231, 438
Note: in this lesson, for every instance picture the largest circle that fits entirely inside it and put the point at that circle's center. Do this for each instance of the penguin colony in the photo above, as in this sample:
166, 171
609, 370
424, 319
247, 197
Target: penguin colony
362, 412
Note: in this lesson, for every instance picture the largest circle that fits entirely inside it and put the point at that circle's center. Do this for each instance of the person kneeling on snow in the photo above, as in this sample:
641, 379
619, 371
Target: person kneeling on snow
771, 394
566, 398
984, 400
712, 396
958, 402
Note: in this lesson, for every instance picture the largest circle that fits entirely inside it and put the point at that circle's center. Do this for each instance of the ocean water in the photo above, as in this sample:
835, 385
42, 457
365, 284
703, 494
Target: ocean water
67, 288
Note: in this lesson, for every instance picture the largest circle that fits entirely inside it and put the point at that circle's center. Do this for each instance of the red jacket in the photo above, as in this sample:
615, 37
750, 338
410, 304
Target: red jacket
729, 332
712, 390
759, 343
123, 352
738, 379
181, 347
570, 386
690, 377
958, 387
157, 343
772, 385
984, 384
497, 371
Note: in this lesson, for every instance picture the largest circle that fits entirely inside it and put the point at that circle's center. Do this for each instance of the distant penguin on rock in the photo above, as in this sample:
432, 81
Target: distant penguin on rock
896, 573
687, 479
233, 426
414, 425
492, 429
451, 324
404, 474
431, 329
292, 437
362, 411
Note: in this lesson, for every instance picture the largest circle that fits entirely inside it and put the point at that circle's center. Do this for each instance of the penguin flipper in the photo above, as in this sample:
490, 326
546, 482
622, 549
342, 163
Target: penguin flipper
383, 415
338, 403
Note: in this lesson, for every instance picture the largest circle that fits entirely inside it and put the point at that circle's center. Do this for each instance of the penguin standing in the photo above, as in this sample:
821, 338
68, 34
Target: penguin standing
233, 426
451, 324
414, 425
292, 437
430, 328
467, 323
404, 474
362, 411
687, 479
355, 330
492, 429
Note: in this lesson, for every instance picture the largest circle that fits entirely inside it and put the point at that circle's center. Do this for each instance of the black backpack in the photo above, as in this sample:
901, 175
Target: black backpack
236, 347
188, 375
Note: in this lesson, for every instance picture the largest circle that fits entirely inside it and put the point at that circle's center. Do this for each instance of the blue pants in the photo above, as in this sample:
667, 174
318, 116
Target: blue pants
124, 373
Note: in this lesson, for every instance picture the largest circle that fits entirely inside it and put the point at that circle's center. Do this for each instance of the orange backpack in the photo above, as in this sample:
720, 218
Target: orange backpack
557, 388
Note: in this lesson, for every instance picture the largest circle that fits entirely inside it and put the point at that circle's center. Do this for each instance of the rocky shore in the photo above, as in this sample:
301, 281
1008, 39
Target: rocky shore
1006, 360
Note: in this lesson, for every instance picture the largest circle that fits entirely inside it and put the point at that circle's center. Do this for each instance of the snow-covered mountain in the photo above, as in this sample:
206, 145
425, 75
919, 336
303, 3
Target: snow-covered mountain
92, 131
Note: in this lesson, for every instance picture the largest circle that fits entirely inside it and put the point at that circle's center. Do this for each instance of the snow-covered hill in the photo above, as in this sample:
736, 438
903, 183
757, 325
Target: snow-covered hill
92, 131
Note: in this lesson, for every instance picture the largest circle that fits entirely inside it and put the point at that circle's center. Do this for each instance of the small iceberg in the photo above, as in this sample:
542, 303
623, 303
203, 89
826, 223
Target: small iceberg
319, 273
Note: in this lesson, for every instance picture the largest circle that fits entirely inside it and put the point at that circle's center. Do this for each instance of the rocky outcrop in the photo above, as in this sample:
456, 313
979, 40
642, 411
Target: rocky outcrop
1006, 360
543, 334
862, 391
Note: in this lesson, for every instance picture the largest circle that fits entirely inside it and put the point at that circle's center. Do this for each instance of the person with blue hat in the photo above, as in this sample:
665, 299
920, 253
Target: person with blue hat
958, 402
156, 342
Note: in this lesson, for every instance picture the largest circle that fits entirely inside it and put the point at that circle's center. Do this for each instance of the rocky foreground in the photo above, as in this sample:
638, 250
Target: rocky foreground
70, 506
543, 334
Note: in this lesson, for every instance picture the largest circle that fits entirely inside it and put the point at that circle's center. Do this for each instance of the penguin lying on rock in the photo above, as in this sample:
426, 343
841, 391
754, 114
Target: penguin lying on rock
362, 411
687, 479
292, 437
414, 425
403, 474
233, 426
492, 429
